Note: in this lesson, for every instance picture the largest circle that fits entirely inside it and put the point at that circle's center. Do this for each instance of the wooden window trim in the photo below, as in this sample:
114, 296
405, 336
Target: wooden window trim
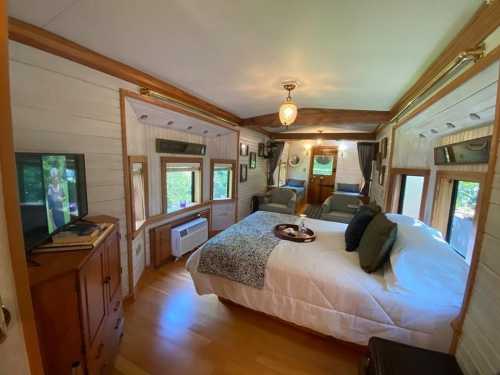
144, 161
394, 183
479, 177
177, 159
233, 184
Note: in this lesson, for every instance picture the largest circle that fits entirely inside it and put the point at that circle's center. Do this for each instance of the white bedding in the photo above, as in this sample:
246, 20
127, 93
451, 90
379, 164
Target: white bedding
320, 286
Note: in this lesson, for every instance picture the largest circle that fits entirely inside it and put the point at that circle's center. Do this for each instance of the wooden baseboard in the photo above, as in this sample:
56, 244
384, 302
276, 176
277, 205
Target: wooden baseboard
358, 348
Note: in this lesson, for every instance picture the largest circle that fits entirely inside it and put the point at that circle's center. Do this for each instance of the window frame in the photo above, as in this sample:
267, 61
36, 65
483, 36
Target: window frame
164, 160
453, 176
397, 175
233, 178
138, 159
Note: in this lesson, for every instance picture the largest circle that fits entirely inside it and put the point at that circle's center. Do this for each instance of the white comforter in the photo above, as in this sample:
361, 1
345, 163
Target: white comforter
320, 286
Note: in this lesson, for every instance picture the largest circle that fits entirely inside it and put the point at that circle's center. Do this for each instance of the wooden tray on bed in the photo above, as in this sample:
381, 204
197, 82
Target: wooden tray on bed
290, 232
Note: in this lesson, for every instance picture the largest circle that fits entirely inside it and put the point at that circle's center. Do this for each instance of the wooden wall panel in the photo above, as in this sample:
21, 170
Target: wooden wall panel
61, 106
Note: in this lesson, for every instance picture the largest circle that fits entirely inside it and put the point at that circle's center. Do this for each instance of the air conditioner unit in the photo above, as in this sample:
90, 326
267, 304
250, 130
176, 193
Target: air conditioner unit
188, 236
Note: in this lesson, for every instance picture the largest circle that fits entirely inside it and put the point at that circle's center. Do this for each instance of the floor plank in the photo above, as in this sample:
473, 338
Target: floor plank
170, 329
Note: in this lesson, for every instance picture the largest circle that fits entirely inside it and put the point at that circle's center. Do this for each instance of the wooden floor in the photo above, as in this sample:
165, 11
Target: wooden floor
171, 330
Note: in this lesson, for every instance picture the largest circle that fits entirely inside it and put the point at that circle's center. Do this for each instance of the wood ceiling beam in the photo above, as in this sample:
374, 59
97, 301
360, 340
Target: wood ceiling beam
37, 37
321, 116
325, 136
483, 23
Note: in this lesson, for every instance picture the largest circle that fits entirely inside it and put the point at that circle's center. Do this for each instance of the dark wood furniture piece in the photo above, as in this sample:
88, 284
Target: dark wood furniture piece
391, 358
161, 248
78, 305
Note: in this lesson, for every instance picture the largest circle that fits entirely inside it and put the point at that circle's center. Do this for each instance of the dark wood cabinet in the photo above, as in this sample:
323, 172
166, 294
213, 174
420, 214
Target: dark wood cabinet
78, 305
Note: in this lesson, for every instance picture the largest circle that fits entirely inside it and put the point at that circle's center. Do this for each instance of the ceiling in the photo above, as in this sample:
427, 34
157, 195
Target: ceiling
153, 115
346, 54
476, 96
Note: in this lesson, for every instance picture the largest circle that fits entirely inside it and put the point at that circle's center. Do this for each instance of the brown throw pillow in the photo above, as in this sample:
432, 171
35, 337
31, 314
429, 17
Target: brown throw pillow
358, 225
376, 243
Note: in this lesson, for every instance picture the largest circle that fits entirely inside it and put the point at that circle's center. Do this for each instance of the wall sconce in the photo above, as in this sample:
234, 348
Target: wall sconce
307, 148
342, 148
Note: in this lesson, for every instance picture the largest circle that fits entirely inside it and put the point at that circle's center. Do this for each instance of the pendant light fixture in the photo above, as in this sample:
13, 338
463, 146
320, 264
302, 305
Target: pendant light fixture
319, 140
288, 109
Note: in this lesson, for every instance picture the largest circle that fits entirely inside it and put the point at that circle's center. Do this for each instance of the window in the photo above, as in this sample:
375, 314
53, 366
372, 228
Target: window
181, 183
410, 199
461, 223
323, 165
222, 179
138, 190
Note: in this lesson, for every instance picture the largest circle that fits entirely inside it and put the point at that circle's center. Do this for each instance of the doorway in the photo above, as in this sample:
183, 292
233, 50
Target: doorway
322, 173
410, 198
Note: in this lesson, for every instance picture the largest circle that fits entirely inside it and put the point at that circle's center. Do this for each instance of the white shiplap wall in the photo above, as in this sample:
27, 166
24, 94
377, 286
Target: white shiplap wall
257, 178
61, 106
479, 347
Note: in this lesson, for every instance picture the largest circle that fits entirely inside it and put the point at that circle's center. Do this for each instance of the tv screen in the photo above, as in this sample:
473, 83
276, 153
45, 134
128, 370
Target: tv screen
52, 193
475, 151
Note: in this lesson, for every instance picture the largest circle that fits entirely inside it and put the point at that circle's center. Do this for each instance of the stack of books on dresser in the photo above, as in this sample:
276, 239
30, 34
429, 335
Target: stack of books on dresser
79, 236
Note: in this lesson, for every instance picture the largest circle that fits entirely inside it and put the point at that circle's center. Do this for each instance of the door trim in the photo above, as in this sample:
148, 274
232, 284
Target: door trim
12, 213
311, 161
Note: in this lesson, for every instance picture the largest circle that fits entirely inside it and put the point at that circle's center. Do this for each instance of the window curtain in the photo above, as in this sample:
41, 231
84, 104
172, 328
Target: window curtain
274, 159
366, 154
139, 198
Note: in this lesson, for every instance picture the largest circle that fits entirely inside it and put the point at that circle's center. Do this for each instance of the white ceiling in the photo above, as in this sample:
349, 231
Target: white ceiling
161, 117
478, 96
347, 54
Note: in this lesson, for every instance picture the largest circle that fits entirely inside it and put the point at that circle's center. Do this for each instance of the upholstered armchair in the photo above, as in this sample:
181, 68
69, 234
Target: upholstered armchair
279, 200
340, 208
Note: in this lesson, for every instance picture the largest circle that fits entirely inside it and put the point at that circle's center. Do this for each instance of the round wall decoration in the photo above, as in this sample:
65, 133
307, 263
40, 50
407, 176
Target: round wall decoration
294, 161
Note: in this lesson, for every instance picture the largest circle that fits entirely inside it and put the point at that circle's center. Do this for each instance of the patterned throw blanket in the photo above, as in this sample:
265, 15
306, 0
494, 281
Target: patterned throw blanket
240, 253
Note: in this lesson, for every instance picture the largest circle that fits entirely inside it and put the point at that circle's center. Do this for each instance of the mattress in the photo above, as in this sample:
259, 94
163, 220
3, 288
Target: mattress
320, 286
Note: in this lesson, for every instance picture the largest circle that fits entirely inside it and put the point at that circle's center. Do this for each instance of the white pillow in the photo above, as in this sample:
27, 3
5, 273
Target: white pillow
422, 263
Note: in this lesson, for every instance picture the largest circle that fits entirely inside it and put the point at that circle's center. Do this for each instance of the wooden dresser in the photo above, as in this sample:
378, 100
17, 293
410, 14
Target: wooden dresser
78, 306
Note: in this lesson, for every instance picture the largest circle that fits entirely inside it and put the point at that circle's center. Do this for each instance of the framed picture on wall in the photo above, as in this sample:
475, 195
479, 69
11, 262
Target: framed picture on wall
383, 146
243, 172
378, 161
262, 150
381, 175
253, 160
243, 149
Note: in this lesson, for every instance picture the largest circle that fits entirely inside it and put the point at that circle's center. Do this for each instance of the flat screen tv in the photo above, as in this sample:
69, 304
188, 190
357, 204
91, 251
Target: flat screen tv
52, 193
475, 151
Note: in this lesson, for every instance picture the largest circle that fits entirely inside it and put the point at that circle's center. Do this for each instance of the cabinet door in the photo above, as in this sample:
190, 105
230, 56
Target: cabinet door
93, 289
113, 265
161, 246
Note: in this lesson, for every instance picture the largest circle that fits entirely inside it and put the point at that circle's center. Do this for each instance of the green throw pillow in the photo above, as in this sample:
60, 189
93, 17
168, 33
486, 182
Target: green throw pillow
376, 243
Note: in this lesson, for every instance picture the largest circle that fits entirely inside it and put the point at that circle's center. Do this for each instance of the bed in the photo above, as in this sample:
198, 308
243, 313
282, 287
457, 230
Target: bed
321, 287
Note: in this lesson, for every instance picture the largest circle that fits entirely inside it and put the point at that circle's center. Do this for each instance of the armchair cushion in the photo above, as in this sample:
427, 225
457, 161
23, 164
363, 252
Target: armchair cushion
282, 196
279, 200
